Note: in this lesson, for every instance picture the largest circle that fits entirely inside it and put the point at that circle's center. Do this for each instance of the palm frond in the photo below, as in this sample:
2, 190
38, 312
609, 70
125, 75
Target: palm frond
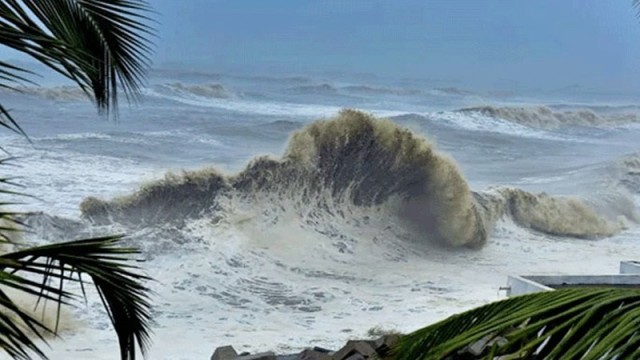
99, 44
7, 121
12, 74
14, 339
101, 260
581, 323
118, 283
10, 223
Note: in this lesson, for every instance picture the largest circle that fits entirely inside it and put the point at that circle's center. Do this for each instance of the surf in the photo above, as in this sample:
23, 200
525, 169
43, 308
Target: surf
358, 161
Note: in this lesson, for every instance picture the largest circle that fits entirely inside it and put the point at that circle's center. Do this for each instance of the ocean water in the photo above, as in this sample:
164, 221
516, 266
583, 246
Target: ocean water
277, 231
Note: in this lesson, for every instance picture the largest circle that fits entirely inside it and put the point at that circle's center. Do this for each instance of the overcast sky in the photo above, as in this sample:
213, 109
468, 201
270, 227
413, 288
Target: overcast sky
541, 43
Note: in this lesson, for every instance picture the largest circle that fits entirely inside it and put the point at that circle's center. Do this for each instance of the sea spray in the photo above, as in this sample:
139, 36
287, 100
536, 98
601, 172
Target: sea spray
46, 312
626, 172
542, 117
176, 197
43, 310
374, 161
355, 157
553, 215
216, 91
57, 93
356, 160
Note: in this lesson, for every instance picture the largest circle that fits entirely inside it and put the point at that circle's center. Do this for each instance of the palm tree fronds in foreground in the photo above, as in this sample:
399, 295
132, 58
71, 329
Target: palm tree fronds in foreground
579, 323
108, 267
99, 44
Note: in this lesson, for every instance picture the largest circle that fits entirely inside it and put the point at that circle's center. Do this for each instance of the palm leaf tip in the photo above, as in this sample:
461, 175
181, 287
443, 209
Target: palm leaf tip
119, 284
573, 323
99, 44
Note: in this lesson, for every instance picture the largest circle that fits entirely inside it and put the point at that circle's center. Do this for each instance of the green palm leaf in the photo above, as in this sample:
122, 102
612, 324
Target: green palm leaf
101, 259
118, 283
584, 323
99, 44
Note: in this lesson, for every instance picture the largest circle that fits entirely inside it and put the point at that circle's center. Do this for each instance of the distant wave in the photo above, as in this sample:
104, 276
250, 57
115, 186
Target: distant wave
57, 93
374, 90
542, 117
277, 80
216, 91
356, 160
176, 73
252, 106
281, 125
322, 89
598, 108
476, 122
626, 173
327, 89
452, 91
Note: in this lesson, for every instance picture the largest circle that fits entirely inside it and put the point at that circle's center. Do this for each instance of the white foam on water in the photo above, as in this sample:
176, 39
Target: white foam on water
261, 283
221, 295
61, 179
478, 122
264, 108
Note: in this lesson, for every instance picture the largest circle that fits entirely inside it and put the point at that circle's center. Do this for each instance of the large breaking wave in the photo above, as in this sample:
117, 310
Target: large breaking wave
357, 161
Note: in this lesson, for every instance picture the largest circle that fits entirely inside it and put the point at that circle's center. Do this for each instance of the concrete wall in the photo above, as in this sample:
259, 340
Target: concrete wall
518, 285
629, 267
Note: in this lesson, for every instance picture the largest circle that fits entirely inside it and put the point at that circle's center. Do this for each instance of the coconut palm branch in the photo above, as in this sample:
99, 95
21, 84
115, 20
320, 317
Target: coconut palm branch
104, 262
581, 323
43, 271
102, 46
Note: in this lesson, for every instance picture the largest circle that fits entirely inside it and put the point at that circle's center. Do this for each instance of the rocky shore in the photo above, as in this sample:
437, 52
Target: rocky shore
352, 350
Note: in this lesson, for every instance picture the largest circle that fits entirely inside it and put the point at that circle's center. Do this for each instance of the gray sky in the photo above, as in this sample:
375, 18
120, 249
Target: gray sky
541, 43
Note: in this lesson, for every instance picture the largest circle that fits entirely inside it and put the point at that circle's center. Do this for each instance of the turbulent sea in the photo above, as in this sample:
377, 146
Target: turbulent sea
279, 212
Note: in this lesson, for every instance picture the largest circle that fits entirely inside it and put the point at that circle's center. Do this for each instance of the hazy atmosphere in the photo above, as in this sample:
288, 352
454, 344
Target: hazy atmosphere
490, 44
302, 173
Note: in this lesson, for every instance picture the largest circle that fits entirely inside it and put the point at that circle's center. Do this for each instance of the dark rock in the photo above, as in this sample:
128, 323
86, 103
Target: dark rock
356, 357
224, 353
355, 347
261, 356
313, 355
384, 344
245, 353
287, 357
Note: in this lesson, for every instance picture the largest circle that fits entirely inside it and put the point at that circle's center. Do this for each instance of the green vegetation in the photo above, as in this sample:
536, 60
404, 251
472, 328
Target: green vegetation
580, 323
100, 45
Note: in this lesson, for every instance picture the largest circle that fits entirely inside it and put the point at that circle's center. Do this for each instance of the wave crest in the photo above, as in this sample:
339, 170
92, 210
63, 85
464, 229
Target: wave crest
625, 172
376, 90
354, 157
356, 160
216, 91
553, 215
57, 93
543, 117
322, 89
